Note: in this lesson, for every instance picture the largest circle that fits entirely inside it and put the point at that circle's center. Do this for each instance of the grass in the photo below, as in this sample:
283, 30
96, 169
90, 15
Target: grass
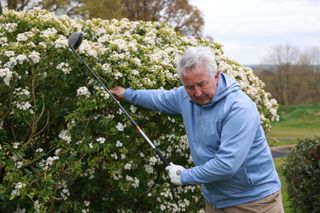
285, 198
296, 121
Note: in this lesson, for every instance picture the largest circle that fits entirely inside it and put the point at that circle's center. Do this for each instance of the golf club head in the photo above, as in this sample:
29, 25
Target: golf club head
75, 40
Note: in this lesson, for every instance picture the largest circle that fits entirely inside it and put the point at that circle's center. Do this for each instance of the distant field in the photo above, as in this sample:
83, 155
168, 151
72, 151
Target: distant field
296, 121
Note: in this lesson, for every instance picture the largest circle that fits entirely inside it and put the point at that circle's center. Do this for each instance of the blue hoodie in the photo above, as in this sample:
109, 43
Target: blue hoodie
233, 162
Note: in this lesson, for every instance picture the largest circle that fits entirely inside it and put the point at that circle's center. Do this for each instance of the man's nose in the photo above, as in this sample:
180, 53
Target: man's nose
197, 91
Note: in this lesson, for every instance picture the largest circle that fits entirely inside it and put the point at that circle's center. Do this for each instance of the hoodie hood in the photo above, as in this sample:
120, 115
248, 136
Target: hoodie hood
226, 86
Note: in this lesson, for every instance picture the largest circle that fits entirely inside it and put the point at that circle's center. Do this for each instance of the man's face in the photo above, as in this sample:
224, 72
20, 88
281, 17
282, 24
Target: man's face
200, 85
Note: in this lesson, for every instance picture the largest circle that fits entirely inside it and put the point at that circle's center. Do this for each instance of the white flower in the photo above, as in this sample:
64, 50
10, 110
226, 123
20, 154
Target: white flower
19, 164
9, 53
6, 74
61, 42
16, 145
23, 106
133, 108
22, 37
18, 188
83, 91
65, 135
10, 27
91, 145
35, 57
128, 166
114, 155
49, 32
64, 67
37, 206
106, 68
39, 150
153, 160
21, 58
87, 203
57, 152
101, 140
119, 144
120, 127
135, 181
135, 72
49, 162
148, 169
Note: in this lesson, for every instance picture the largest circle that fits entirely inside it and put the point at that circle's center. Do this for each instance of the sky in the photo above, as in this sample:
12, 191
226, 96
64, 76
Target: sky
249, 29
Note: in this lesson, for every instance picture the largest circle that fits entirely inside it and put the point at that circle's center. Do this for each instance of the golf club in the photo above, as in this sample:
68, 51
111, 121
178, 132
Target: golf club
74, 42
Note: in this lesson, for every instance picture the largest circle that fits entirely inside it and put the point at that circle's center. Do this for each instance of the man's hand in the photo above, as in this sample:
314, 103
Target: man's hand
174, 172
118, 92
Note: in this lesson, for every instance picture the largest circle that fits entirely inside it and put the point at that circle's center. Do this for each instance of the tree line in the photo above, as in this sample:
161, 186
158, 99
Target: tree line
292, 76
184, 17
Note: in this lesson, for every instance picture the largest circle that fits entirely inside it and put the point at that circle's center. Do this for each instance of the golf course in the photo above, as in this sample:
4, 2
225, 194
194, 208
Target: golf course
296, 121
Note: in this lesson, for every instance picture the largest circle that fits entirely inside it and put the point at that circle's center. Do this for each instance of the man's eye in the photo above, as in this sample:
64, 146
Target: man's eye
202, 84
189, 88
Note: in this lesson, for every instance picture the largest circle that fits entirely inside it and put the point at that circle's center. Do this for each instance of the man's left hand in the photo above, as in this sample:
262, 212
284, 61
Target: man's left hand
174, 172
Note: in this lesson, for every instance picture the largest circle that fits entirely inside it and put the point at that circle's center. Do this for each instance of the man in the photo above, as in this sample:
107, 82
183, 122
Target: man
233, 163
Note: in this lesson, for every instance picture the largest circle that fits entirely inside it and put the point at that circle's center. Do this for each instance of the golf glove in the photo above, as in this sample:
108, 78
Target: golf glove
174, 172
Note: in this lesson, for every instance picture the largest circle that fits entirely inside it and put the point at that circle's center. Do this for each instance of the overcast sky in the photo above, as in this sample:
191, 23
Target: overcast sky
248, 29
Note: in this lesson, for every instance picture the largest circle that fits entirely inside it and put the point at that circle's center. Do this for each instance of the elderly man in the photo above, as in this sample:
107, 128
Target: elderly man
233, 163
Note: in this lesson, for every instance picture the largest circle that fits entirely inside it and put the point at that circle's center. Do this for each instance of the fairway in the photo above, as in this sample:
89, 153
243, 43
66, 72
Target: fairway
296, 121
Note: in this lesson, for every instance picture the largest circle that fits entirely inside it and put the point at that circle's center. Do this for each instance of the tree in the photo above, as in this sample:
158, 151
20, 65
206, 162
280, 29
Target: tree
179, 14
284, 57
293, 76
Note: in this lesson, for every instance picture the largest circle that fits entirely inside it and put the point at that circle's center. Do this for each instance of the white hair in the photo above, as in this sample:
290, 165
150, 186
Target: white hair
195, 56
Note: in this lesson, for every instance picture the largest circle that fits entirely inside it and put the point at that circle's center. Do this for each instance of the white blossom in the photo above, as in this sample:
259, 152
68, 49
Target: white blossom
101, 140
10, 27
90, 145
49, 162
128, 166
120, 127
133, 108
34, 56
83, 91
37, 206
119, 144
23, 106
64, 67
65, 135
49, 32
18, 188
21, 58
16, 145
6, 74
39, 150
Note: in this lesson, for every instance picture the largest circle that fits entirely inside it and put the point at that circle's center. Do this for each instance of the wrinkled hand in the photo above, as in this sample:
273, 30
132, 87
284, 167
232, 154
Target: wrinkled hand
174, 172
118, 92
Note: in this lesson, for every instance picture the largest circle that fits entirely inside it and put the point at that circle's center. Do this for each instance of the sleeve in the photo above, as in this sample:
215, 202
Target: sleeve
237, 136
159, 100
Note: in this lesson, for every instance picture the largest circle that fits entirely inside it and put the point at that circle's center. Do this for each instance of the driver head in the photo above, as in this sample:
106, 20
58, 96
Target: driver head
75, 40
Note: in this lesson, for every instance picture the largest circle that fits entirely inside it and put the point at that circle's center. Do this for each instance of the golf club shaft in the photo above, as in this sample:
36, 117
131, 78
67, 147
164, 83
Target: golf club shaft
97, 77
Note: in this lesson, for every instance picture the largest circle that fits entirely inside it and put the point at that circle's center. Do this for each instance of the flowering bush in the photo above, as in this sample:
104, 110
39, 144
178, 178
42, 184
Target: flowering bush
65, 146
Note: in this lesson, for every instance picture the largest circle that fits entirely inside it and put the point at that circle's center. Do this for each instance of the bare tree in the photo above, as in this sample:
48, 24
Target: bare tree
284, 58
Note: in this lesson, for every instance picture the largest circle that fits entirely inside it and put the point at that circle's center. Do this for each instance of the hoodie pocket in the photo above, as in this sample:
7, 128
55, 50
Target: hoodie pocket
240, 181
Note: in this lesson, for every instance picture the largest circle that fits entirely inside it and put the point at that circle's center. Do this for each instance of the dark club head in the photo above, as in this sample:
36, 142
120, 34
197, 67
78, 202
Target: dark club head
75, 40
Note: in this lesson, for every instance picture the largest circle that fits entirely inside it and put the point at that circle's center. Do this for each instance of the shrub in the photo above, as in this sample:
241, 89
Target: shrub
302, 171
65, 146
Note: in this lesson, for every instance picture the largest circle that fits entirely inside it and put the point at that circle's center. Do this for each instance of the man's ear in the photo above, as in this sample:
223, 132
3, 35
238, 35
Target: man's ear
216, 77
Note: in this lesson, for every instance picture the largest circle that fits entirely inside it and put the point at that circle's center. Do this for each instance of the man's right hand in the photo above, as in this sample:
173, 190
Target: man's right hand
118, 92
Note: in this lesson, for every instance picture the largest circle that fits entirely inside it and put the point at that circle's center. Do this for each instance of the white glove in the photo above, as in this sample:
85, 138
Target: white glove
174, 172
